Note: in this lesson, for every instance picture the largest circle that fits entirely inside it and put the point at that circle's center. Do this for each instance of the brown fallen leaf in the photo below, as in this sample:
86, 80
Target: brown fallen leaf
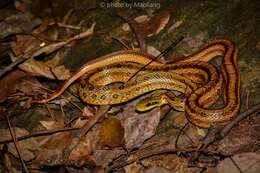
140, 126
104, 157
165, 163
8, 83
247, 162
111, 132
155, 24
8, 162
28, 147
244, 137
24, 44
18, 23
51, 124
3, 112
53, 150
86, 146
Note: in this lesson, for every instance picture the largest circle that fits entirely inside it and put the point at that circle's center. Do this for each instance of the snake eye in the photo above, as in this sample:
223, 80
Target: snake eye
148, 104
151, 103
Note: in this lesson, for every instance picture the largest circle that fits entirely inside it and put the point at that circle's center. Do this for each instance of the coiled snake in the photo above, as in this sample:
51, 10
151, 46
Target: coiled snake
104, 81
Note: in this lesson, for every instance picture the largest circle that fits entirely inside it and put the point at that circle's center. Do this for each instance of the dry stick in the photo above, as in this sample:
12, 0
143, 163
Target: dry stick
16, 144
39, 133
46, 49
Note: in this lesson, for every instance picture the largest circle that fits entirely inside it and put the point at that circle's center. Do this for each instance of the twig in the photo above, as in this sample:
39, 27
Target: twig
16, 144
46, 49
39, 133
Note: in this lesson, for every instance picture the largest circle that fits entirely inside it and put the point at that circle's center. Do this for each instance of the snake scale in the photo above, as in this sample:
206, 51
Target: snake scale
104, 81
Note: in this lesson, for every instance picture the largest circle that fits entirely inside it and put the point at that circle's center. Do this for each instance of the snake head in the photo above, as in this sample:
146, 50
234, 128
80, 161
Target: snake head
150, 103
160, 98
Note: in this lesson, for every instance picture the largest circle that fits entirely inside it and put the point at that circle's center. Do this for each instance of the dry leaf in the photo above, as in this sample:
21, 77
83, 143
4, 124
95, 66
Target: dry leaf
155, 169
156, 24
139, 127
8, 83
104, 157
53, 150
133, 168
46, 69
86, 146
247, 162
87, 113
171, 163
243, 137
28, 147
111, 132
51, 124
25, 43
18, 23
8, 162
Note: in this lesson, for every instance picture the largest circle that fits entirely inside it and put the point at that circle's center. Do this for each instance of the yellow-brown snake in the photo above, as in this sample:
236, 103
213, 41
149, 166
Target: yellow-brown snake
200, 81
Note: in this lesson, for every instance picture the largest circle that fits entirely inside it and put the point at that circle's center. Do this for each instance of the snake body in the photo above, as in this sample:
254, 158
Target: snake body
105, 81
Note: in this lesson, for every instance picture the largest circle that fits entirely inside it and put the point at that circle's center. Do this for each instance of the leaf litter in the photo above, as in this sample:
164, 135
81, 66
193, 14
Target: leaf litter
155, 141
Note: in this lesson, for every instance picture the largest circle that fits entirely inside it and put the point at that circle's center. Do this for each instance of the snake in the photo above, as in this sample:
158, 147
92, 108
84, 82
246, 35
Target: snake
104, 81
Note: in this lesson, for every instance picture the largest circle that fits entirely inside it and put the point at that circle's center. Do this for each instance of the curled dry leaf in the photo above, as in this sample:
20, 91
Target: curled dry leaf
111, 133
154, 25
